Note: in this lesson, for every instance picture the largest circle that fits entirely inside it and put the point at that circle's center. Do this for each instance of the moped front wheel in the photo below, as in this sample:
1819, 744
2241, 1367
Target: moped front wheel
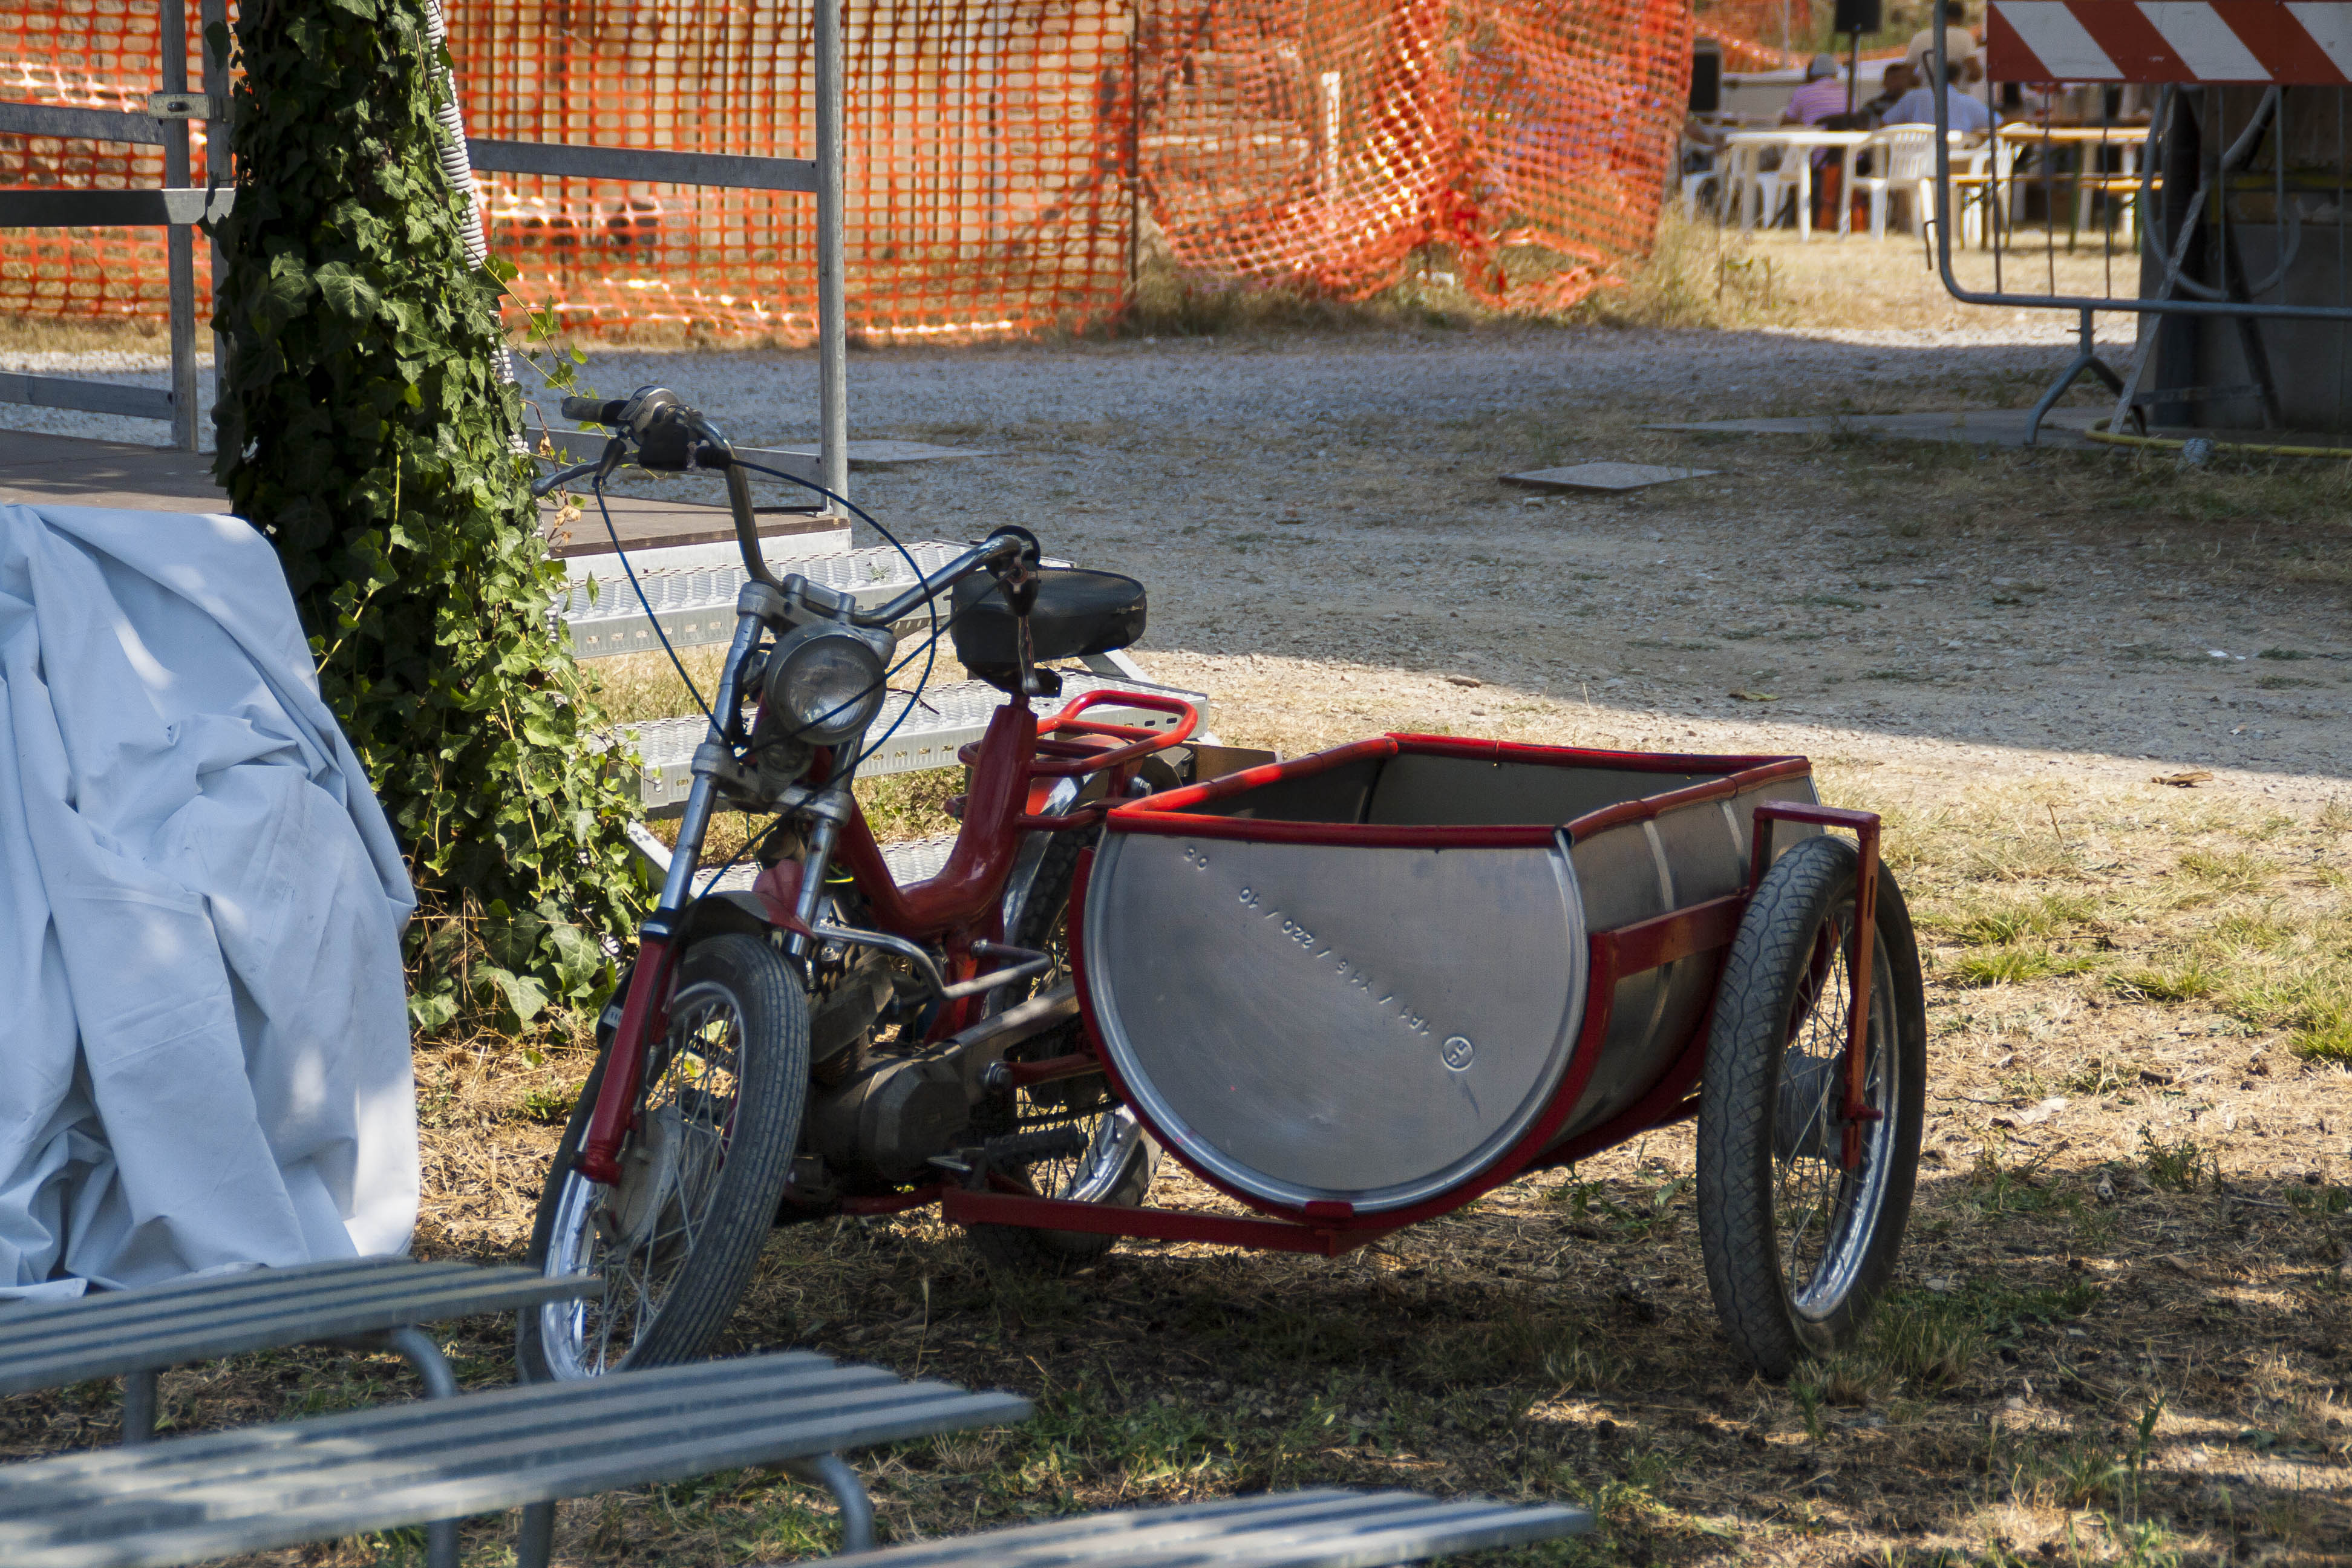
675, 1241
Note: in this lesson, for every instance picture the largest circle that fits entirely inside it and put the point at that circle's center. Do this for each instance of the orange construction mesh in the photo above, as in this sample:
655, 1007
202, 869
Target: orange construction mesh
983, 186
1007, 161
88, 54
1759, 35
1329, 143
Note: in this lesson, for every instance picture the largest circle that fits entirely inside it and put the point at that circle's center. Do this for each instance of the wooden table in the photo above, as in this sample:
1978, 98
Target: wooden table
1743, 147
2131, 138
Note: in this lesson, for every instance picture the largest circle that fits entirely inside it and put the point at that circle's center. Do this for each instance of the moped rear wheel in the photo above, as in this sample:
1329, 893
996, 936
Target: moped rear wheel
1106, 1157
1798, 1248
675, 1240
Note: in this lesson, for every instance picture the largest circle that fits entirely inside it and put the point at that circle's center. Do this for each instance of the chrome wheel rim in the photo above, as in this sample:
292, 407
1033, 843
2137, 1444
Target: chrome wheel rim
1824, 1217
639, 1237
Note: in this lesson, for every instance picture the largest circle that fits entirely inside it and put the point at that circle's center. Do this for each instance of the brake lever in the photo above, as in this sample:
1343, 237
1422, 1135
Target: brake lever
540, 488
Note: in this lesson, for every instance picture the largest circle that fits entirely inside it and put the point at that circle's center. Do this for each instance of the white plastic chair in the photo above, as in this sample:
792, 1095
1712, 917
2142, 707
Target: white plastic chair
1981, 176
1695, 182
1751, 192
1902, 160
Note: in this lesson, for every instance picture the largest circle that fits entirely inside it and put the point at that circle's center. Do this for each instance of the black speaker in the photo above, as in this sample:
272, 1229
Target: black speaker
1707, 77
1856, 17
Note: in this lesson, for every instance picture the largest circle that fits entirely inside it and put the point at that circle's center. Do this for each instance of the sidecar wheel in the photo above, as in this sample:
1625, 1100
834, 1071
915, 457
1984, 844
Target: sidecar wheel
1799, 1249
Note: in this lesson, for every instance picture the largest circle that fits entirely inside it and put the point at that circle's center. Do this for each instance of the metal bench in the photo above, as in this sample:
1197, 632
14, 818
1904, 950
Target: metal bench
364, 1302
1323, 1529
189, 1499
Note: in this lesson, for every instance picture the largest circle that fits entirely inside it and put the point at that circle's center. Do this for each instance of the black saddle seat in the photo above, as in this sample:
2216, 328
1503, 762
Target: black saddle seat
1077, 613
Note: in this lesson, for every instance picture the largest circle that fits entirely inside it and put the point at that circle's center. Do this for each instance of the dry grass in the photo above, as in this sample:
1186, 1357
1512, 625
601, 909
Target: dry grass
38, 334
2119, 1336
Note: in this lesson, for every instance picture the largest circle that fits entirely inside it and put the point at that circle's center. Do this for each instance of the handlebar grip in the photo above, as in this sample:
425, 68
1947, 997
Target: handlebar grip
595, 410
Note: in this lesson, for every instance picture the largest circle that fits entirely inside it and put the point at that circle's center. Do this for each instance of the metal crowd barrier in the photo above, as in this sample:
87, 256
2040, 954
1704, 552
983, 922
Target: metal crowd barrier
180, 207
2210, 194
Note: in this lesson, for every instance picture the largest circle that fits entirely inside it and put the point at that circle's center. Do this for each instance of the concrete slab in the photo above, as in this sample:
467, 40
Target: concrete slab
659, 534
1602, 478
869, 454
2061, 427
668, 535
70, 470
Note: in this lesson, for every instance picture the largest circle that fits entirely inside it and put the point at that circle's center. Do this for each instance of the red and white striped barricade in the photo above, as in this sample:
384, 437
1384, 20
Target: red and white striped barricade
2197, 144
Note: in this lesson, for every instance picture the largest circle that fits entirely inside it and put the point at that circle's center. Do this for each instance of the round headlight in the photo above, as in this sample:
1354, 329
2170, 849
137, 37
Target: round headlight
825, 683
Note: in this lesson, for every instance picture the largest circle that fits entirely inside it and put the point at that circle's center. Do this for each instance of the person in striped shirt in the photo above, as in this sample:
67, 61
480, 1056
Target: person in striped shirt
1822, 96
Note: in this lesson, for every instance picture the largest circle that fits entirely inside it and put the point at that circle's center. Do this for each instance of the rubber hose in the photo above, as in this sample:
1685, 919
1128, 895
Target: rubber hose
459, 168
2101, 433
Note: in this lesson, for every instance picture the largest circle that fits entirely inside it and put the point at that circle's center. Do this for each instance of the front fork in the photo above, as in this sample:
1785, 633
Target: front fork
644, 1014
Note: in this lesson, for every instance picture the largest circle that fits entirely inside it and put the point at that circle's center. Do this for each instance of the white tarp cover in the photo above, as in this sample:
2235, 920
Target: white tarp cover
203, 1043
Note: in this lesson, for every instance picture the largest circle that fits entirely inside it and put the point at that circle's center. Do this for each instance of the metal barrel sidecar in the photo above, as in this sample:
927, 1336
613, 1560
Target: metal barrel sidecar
1360, 988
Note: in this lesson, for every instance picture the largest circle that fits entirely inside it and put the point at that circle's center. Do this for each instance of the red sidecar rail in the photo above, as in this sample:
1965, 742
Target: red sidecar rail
1359, 988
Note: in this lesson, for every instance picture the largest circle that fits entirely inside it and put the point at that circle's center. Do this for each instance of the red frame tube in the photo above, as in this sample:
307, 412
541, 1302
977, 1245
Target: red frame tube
644, 1015
957, 908
965, 1206
1865, 826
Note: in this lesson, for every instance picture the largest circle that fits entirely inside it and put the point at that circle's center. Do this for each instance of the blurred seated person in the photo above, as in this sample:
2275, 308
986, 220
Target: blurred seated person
1917, 107
1898, 79
1822, 96
1820, 102
1959, 43
1701, 142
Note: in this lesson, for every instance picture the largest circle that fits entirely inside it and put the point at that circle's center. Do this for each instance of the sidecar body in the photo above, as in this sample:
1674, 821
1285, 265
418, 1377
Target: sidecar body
1359, 988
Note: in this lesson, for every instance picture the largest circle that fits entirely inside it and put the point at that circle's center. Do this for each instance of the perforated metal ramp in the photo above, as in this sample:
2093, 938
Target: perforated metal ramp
909, 860
695, 605
944, 719
190, 1500
1323, 1528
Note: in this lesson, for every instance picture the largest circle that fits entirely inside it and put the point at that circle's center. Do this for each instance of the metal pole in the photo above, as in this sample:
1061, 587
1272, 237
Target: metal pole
416, 1347
138, 1407
832, 316
178, 241
832, 1472
210, 13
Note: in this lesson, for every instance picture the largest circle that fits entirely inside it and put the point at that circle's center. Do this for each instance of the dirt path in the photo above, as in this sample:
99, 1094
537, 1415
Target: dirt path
1326, 543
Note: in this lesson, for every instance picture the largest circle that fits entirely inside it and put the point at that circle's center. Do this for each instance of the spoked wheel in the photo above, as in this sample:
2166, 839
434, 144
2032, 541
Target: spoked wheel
1072, 1139
1798, 1246
675, 1240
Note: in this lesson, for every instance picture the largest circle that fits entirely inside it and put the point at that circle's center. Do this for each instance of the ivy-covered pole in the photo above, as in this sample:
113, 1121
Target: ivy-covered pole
365, 427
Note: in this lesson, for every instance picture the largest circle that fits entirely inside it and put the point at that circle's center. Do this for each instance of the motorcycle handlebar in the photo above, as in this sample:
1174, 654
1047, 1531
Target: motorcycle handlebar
595, 410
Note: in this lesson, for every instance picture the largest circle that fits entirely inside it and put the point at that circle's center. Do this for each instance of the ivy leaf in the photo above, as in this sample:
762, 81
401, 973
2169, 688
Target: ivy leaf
365, 432
524, 998
347, 293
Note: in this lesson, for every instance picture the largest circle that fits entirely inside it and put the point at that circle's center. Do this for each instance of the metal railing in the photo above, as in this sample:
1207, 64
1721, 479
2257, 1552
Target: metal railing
175, 208
179, 208
2181, 209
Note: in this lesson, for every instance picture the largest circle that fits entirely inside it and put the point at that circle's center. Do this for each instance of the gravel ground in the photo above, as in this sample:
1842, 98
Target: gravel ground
1330, 553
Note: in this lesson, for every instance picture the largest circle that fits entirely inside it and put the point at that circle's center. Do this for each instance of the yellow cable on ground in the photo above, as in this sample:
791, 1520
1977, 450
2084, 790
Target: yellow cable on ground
2099, 432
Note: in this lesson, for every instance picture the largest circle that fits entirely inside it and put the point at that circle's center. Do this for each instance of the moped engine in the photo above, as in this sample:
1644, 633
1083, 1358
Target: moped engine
844, 1011
888, 1117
